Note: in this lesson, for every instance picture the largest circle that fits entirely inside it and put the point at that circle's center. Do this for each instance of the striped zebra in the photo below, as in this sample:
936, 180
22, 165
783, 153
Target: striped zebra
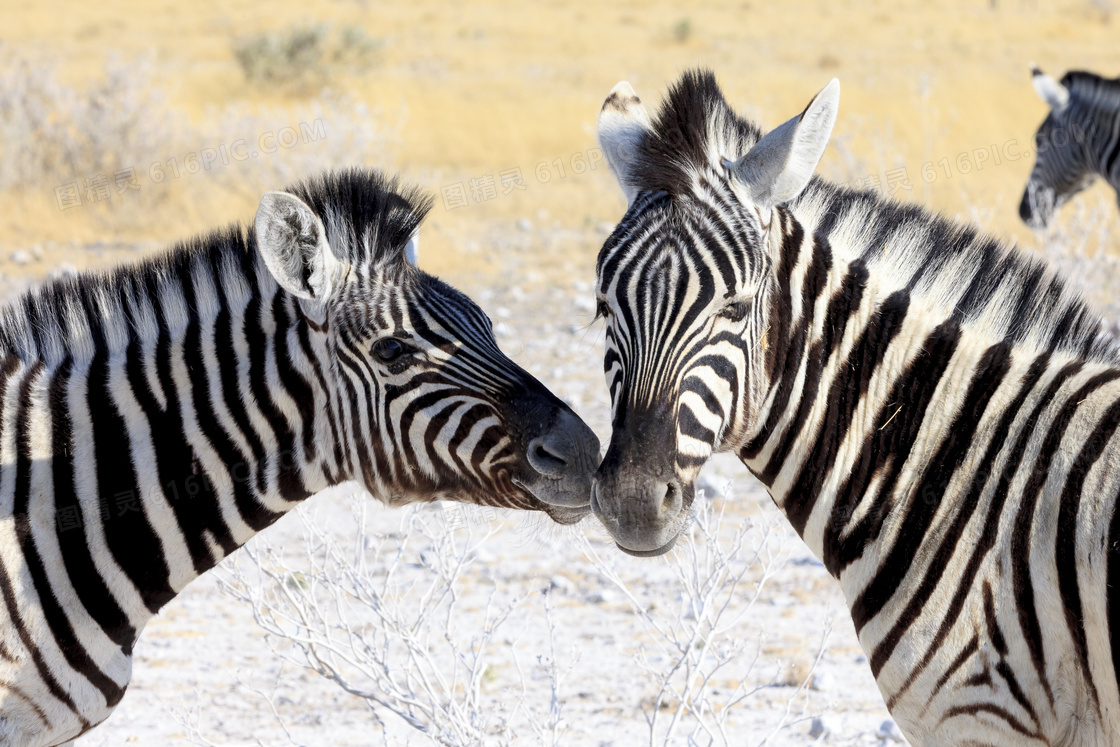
154, 418
935, 414
1077, 142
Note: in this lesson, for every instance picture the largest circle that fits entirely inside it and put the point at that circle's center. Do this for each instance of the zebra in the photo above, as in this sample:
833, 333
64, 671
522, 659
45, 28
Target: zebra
153, 418
1077, 142
935, 413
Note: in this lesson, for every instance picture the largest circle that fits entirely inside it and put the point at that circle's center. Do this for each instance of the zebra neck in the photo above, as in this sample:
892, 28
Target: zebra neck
863, 378
194, 411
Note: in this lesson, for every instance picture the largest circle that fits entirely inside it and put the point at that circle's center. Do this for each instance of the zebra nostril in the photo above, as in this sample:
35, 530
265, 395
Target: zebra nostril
547, 457
671, 502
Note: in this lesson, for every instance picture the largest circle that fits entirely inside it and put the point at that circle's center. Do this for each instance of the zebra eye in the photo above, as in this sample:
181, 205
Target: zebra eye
736, 312
602, 310
388, 349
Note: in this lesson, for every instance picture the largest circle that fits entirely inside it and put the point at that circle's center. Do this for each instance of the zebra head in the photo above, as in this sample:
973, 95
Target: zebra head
1063, 164
423, 404
683, 283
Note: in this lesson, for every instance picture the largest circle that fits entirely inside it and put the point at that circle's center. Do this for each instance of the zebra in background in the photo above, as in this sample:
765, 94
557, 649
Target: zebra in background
1077, 142
154, 418
935, 414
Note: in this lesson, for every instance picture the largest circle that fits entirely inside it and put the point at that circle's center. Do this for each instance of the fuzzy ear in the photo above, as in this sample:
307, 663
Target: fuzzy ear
412, 250
779, 166
623, 122
1052, 93
293, 243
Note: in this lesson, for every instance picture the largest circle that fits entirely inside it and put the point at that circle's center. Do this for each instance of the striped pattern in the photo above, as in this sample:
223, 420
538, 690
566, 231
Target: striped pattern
154, 418
935, 414
1076, 143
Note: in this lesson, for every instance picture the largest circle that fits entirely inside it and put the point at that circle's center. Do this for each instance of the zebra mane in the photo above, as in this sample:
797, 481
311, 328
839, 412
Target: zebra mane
694, 128
1093, 89
368, 217
987, 283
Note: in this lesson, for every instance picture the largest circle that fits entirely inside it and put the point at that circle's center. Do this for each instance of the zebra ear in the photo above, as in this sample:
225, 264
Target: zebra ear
781, 164
1053, 93
293, 244
623, 122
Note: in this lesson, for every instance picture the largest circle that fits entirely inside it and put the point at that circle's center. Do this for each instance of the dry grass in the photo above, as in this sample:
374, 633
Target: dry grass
500, 85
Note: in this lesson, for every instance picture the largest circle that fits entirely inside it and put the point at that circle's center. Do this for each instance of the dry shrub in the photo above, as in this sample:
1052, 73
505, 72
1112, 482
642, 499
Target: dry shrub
305, 57
51, 132
62, 140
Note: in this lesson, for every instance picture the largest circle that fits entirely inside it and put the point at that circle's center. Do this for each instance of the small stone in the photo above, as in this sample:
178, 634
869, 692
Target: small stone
820, 681
818, 728
524, 224
599, 596
37, 251
561, 584
502, 312
889, 731
503, 330
20, 257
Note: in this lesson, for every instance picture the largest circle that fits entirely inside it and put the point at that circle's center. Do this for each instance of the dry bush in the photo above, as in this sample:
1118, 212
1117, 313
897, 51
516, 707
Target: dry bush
721, 568
398, 620
120, 130
305, 57
378, 615
50, 132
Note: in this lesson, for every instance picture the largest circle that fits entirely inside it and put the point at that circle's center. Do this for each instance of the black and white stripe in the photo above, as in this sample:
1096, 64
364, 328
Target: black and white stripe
936, 414
1078, 141
154, 418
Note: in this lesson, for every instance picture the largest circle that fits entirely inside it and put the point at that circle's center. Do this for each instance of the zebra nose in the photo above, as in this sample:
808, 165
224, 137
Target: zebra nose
564, 458
644, 516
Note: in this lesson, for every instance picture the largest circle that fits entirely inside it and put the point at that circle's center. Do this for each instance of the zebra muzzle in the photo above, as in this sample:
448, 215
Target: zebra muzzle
561, 462
644, 514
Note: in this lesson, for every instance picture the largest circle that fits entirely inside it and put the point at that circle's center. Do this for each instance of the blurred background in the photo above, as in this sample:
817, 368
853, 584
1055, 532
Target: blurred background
124, 125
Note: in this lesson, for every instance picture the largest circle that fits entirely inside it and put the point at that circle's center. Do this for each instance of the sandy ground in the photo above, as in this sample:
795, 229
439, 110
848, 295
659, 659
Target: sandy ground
205, 672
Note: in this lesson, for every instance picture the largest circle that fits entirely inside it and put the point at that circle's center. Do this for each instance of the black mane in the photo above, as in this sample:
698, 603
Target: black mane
1085, 80
695, 128
679, 143
367, 201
